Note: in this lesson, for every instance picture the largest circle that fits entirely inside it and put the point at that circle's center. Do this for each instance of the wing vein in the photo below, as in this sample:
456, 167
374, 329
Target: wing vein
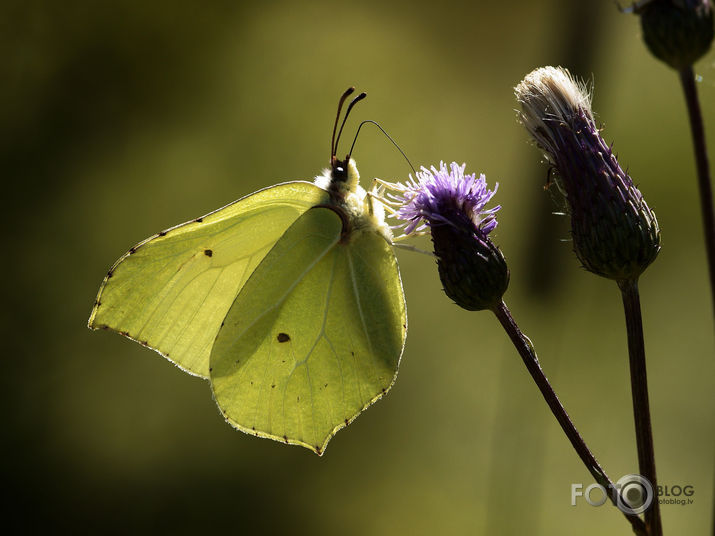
197, 309
289, 290
363, 323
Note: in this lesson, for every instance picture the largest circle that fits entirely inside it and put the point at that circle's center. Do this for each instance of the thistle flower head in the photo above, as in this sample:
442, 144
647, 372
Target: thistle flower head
445, 196
452, 205
615, 233
677, 32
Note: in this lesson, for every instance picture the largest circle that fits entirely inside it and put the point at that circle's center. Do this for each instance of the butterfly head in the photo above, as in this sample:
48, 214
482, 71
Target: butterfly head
339, 169
344, 177
341, 181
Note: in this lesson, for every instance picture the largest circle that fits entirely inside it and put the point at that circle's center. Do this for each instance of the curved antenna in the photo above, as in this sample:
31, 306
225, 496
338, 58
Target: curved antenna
347, 113
347, 93
388, 137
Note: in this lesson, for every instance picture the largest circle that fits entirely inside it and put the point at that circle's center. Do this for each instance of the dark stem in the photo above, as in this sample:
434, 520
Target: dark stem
687, 79
639, 390
528, 355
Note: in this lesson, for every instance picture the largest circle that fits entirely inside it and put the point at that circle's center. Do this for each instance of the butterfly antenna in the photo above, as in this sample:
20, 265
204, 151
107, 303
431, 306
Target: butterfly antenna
347, 93
388, 137
347, 113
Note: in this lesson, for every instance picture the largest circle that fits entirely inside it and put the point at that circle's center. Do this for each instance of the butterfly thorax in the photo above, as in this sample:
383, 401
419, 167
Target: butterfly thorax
356, 207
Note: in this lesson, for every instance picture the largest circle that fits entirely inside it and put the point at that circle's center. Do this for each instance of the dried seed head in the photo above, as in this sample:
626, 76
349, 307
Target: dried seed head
615, 233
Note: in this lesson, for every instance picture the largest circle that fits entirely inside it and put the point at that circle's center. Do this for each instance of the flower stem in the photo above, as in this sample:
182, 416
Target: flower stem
528, 354
687, 79
639, 390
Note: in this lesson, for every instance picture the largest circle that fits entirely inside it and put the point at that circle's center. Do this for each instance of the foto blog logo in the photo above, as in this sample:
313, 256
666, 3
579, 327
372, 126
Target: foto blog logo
632, 494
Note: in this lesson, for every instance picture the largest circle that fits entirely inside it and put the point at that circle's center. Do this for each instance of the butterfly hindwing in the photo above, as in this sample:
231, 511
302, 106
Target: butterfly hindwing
314, 336
172, 291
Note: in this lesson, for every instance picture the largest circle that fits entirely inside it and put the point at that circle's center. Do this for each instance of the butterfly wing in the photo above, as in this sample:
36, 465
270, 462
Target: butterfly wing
315, 335
172, 291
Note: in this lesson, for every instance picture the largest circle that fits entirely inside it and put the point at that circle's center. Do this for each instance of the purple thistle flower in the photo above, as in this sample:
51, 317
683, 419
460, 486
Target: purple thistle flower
451, 204
445, 196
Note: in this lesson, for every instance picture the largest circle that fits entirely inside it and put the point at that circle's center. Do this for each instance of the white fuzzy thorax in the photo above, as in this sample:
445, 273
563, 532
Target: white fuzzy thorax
363, 210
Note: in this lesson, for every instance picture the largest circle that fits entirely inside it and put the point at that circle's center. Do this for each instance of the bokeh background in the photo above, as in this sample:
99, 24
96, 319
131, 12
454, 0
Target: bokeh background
121, 119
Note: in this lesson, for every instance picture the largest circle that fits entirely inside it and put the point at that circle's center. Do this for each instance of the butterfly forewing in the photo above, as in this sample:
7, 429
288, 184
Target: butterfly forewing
172, 291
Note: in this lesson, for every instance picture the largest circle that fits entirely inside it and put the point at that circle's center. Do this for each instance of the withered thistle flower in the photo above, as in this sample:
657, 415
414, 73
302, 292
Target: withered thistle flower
472, 269
615, 234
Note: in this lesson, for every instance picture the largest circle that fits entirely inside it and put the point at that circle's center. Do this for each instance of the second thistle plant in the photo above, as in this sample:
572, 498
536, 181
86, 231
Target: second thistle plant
615, 233
679, 32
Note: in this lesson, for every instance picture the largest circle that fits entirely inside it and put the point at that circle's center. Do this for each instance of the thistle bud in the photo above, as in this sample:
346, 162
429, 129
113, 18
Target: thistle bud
677, 32
615, 234
472, 269
451, 204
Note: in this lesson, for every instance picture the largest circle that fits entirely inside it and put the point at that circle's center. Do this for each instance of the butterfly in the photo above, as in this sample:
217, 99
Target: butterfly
289, 301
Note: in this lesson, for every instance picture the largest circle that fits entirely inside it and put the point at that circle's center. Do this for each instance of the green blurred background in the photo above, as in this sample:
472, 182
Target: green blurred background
121, 119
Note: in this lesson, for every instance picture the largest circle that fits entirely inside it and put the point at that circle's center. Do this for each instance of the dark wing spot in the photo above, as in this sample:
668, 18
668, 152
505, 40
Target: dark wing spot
211, 369
285, 438
109, 274
383, 391
131, 251
283, 337
297, 399
199, 220
273, 386
163, 233
97, 303
208, 252
124, 334
317, 449
346, 422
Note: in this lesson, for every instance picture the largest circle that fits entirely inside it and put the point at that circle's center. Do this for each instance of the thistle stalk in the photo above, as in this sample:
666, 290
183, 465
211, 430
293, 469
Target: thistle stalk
639, 391
526, 350
697, 130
